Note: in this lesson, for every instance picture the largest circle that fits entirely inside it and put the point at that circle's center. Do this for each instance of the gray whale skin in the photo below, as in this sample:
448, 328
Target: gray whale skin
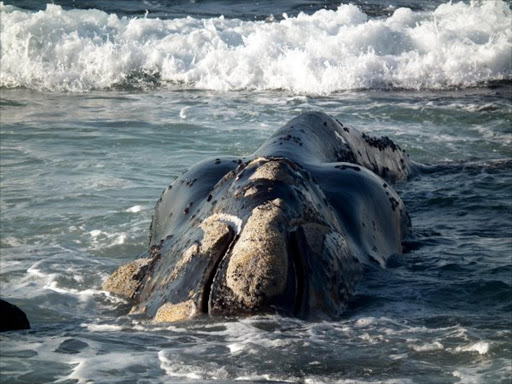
288, 229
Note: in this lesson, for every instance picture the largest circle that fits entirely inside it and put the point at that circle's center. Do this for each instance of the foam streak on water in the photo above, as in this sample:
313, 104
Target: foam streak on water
457, 44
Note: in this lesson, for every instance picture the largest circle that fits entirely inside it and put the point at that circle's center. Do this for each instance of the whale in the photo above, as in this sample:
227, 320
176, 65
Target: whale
290, 229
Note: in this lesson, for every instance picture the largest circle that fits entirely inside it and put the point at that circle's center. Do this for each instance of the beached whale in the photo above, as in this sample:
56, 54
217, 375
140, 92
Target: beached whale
288, 229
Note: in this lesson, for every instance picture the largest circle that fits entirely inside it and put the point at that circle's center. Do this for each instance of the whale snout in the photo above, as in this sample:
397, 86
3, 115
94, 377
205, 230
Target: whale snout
283, 255
259, 272
286, 264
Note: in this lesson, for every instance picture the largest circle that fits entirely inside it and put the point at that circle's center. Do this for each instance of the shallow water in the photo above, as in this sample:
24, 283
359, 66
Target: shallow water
81, 172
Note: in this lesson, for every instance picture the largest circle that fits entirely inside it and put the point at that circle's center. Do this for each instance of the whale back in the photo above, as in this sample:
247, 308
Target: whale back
316, 137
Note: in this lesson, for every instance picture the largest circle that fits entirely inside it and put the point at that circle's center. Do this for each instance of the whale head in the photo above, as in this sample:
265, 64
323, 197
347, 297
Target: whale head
265, 234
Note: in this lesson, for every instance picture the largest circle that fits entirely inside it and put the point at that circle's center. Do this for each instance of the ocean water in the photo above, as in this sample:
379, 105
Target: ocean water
103, 104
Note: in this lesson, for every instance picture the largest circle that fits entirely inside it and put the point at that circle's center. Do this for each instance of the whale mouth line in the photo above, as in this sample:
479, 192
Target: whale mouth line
207, 292
297, 255
297, 259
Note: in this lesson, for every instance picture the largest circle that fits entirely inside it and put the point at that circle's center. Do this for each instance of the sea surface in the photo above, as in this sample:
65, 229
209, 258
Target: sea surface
104, 103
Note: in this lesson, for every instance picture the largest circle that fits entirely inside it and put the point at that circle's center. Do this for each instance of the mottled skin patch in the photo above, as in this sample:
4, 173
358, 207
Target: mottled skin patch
272, 170
216, 233
126, 279
250, 191
259, 262
169, 313
185, 259
287, 229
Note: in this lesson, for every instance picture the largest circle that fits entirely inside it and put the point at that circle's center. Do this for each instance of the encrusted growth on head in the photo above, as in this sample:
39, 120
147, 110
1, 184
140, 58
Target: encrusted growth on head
169, 312
259, 262
126, 280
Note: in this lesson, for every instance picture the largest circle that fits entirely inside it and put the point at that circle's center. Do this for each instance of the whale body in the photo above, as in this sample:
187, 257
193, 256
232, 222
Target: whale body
288, 229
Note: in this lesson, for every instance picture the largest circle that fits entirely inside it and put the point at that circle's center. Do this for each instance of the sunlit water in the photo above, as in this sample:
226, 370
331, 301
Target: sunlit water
81, 172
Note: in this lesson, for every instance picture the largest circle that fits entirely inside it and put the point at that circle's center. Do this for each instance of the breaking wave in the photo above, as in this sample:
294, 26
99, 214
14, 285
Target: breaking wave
456, 45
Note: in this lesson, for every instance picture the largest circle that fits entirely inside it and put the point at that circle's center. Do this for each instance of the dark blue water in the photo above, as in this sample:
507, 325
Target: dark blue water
232, 9
93, 129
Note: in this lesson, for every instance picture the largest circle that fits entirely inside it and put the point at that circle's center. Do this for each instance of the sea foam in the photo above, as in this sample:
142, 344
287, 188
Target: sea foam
456, 45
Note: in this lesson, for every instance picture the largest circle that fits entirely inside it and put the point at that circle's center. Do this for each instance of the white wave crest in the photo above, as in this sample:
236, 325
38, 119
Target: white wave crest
481, 347
134, 209
457, 45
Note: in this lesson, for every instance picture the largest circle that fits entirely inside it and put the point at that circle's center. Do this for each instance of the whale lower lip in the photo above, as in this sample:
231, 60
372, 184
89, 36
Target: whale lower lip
207, 291
296, 250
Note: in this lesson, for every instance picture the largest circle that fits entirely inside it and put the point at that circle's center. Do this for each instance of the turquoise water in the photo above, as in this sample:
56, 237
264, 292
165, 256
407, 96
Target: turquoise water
82, 170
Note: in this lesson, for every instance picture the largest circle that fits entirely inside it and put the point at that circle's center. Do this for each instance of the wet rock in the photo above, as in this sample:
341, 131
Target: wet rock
12, 318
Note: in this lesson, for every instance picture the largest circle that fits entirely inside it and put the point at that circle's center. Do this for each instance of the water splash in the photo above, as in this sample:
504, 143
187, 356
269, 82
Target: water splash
456, 45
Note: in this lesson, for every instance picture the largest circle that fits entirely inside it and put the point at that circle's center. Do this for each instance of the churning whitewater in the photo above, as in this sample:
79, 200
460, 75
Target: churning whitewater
456, 45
